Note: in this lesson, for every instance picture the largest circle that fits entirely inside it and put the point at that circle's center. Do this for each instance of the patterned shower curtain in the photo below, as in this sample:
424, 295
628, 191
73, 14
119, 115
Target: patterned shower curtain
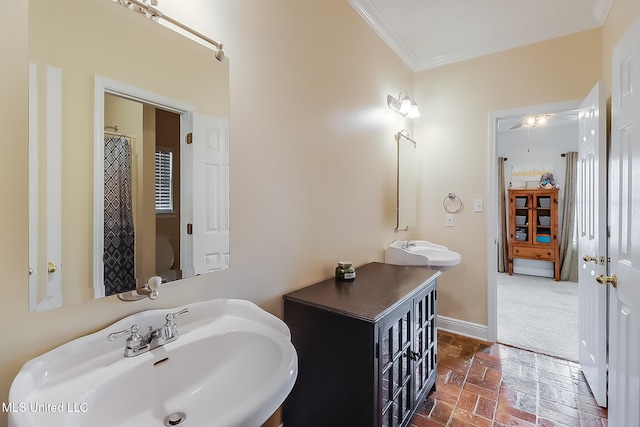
119, 273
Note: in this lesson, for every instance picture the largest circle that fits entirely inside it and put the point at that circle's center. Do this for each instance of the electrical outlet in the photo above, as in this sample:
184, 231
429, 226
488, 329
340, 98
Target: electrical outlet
477, 205
449, 220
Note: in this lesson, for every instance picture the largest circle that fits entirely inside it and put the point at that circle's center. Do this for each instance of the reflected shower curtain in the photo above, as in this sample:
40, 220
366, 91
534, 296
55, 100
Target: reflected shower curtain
118, 217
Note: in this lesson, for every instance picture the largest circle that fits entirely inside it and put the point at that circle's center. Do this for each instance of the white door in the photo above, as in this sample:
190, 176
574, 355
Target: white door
592, 236
624, 211
210, 172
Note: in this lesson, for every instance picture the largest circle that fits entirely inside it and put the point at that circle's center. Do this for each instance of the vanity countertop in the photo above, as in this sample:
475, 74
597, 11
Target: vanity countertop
376, 290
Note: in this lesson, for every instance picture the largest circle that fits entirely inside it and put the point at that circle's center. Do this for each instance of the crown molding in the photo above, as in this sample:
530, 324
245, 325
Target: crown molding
382, 27
601, 10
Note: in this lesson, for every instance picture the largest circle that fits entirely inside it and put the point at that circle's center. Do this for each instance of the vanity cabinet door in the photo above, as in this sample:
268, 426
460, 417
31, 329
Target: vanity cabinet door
425, 342
395, 354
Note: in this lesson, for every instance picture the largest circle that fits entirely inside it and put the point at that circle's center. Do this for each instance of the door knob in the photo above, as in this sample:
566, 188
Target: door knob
51, 267
589, 258
604, 279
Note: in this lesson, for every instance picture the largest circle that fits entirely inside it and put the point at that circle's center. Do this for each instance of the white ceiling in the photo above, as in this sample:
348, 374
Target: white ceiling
430, 33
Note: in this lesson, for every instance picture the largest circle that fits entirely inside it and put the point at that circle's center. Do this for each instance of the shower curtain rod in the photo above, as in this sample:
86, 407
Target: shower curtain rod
154, 12
130, 138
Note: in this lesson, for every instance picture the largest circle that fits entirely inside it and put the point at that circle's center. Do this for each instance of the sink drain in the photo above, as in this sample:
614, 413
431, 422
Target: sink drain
175, 419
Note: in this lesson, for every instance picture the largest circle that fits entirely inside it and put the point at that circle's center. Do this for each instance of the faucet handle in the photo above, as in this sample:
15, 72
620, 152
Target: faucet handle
134, 340
170, 329
172, 316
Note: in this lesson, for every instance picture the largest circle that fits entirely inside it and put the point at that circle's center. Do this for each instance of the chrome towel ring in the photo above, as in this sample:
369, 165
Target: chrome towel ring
452, 203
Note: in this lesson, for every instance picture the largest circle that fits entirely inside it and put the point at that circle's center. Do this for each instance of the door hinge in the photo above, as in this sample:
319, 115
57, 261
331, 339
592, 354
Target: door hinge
189, 229
190, 138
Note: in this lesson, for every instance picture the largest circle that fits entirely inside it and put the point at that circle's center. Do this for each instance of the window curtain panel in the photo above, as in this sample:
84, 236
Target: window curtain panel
119, 273
568, 233
503, 250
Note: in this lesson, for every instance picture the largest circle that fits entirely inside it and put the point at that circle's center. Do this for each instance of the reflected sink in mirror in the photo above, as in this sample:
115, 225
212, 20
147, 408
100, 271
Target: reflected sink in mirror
421, 253
232, 364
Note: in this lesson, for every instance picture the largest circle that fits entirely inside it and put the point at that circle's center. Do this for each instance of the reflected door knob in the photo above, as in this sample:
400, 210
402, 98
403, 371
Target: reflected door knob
51, 267
588, 258
604, 279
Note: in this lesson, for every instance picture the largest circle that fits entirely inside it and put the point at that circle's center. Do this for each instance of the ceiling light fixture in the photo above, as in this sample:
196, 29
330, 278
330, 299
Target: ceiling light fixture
403, 105
535, 121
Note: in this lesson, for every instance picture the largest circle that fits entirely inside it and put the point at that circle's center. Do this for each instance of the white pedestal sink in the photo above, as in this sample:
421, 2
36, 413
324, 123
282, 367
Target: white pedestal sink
233, 364
421, 253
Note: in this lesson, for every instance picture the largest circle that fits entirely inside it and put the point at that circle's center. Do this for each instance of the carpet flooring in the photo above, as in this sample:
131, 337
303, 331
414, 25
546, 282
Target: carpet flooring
538, 314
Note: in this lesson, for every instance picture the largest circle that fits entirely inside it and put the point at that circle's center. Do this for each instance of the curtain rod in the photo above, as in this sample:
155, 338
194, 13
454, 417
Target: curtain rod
505, 158
154, 12
130, 138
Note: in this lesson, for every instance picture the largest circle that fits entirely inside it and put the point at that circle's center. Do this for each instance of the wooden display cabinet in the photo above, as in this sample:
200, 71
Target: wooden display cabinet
533, 226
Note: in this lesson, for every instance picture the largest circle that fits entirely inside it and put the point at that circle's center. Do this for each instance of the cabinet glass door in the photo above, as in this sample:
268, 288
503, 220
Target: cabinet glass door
542, 230
396, 373
425, 346
522, 218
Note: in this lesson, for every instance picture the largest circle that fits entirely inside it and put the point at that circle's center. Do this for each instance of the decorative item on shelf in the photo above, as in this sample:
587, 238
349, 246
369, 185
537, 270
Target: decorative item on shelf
345, 271
521, 202
544, 220
543, 238
548, 181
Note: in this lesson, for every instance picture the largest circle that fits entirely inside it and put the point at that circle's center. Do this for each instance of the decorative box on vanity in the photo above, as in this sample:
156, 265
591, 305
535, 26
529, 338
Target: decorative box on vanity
367, 348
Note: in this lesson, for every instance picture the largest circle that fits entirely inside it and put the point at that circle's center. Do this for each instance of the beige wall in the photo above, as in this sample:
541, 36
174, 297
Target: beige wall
312, 165
455, 102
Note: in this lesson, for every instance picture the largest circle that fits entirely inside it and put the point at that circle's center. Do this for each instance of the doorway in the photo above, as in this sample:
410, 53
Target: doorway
528, 145
152, 138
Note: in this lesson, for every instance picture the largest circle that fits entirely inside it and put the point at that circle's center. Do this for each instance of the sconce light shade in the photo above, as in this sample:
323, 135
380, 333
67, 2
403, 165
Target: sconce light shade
403, 105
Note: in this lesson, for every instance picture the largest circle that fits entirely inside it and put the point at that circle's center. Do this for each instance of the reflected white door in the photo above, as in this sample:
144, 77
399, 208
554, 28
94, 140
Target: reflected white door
592, 236
624, 211
41, 296
210, 171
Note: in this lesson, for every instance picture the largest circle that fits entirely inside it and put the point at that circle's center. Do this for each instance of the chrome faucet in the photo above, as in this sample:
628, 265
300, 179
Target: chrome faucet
137, 344
407, 244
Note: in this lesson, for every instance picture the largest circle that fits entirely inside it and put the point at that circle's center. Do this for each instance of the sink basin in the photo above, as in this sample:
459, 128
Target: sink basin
233, 364
421, 253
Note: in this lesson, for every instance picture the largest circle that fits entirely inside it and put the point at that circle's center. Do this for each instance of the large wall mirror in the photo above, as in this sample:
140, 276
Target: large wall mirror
407, 181
128, 153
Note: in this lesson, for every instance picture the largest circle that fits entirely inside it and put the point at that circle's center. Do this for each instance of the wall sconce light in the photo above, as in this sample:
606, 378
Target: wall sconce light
403, 105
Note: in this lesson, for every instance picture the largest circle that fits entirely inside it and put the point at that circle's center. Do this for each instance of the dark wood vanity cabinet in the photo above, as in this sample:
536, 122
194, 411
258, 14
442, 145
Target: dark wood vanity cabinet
366, 348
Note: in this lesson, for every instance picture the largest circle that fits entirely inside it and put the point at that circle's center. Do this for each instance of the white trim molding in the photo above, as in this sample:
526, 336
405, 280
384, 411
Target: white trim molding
462, 327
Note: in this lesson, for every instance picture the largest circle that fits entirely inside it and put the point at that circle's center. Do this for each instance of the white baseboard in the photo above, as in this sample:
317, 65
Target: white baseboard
533, 271
462, 327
